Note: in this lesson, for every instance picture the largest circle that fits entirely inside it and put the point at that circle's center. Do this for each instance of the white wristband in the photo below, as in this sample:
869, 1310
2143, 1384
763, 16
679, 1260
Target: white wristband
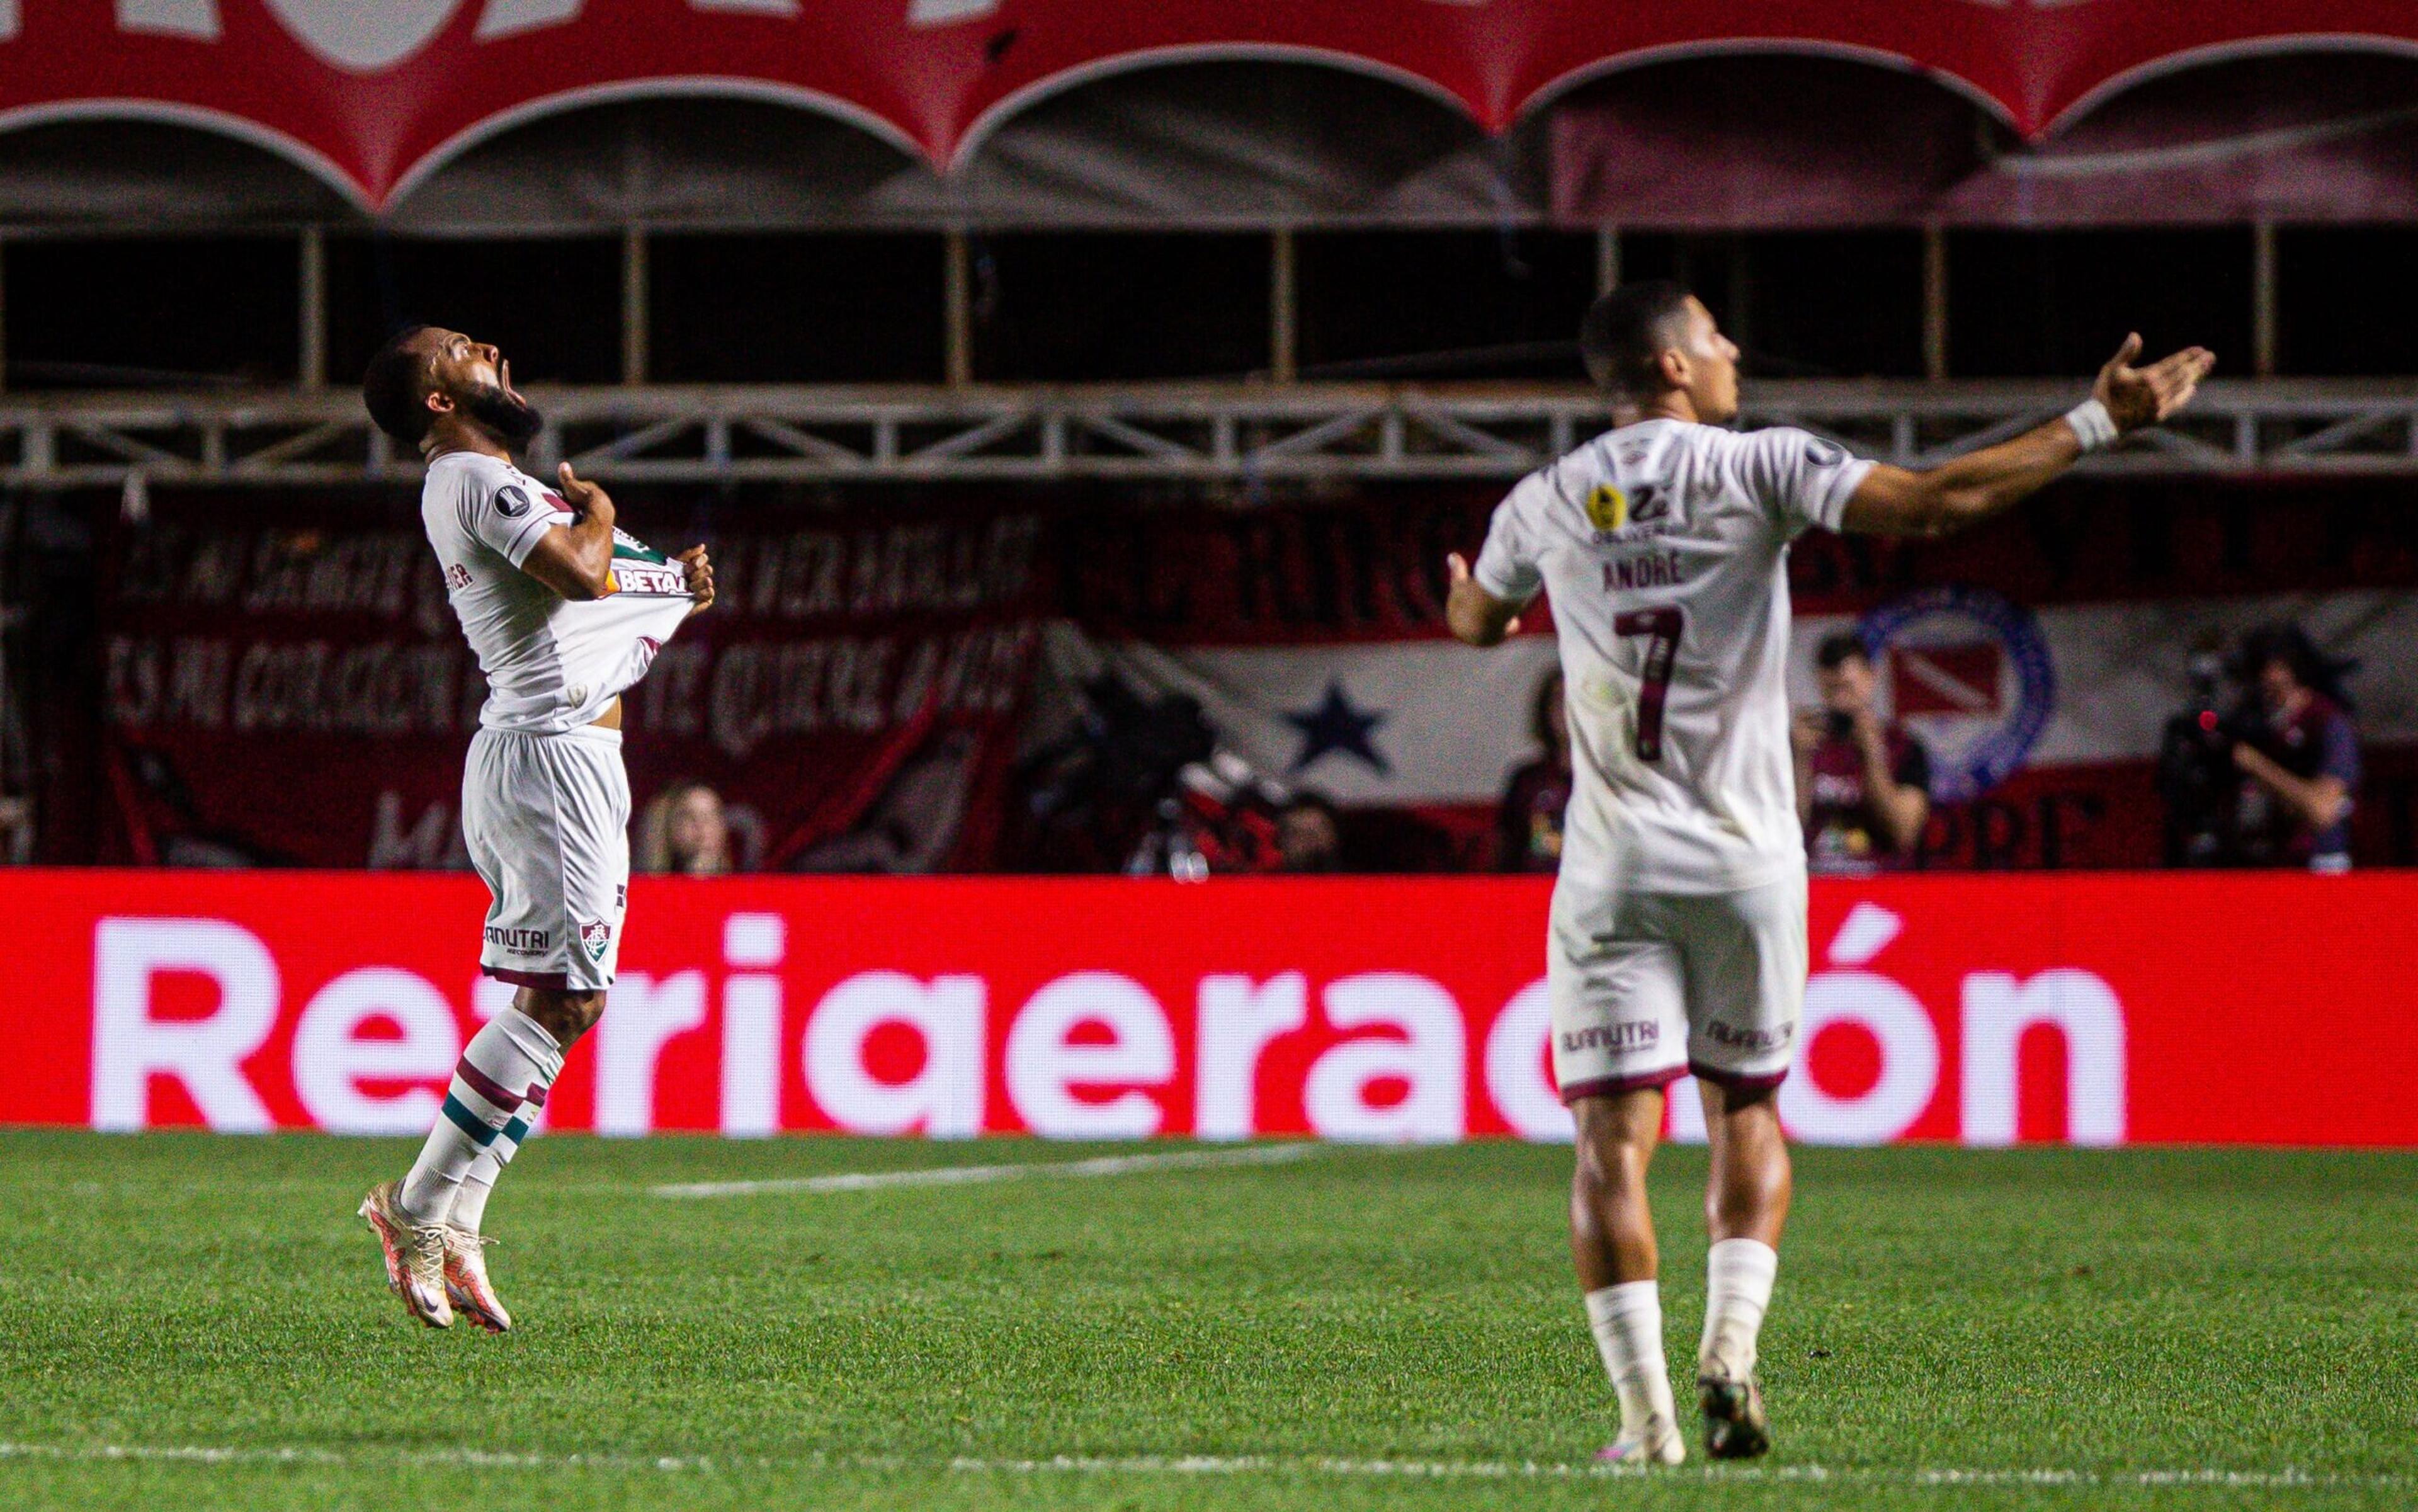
2092, 426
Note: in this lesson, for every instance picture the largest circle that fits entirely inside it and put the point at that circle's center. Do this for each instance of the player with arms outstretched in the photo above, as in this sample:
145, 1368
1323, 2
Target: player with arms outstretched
1677, 941
564, 612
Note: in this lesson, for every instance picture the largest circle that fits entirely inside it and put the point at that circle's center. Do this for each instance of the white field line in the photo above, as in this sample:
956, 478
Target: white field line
2287, 1479
867, 1181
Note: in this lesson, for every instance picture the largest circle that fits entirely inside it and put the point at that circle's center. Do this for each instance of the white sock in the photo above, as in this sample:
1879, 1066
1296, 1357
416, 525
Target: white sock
1628, 1324
479, 1183
1737, 1290
503, 1064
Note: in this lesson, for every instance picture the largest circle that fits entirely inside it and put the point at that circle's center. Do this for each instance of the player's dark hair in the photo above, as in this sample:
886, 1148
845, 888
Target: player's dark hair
1838, 646
1627, 331
395, 387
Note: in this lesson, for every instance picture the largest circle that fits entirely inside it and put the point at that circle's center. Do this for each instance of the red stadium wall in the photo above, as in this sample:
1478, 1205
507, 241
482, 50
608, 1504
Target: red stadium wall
2098, 1009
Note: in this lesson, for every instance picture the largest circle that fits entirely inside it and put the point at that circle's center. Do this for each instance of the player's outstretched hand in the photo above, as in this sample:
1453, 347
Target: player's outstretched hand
2135, 397
586, 499
700, 578
1456, 571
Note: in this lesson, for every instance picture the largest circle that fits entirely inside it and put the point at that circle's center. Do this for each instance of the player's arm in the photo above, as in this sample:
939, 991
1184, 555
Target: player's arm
1477, 616
2318, 802
1804, 734
577, 559
1896, 501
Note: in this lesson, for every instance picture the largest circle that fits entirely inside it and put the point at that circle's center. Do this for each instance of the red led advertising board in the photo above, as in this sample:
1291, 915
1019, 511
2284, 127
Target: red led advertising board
1986, 1010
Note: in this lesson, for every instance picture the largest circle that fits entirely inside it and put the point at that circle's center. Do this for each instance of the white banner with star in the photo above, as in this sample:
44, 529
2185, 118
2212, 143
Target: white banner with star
1368, 724
1992, 688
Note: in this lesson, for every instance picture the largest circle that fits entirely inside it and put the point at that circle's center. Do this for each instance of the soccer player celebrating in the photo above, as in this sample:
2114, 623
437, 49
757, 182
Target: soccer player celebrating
1677, 941
564, 612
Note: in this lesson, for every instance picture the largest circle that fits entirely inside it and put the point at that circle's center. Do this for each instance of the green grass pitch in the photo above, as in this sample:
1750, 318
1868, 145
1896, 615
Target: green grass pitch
196, 1322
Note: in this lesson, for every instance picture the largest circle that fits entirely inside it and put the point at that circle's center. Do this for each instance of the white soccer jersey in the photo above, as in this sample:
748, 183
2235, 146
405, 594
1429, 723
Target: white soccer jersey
1664, 549
552, 664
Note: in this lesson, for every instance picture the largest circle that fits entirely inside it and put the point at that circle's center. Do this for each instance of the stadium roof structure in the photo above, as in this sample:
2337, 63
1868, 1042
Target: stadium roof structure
516, 116
1242, 433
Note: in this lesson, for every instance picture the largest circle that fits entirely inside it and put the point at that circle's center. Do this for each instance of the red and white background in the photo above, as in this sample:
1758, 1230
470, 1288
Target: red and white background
2038, 658
2093, 1010
284, 686
374, 90
1430, 728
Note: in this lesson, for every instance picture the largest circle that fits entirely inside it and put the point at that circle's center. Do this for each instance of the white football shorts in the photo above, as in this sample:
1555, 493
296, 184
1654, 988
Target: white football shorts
547, 818
1646, 986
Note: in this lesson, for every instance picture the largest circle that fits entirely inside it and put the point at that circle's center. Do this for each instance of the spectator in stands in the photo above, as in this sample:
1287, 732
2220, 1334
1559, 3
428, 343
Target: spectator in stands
1528, 833
685, 831
1310, 835
1862, 787
2300, 764
16, 830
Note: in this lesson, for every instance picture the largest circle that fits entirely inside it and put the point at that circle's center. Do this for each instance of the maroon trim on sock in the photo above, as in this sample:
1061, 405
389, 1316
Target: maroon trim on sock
1735, 1081
550, 981
486, 1086
537, 1094
1611, 1086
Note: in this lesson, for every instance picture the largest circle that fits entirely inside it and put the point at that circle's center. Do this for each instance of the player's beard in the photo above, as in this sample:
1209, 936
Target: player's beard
512, 419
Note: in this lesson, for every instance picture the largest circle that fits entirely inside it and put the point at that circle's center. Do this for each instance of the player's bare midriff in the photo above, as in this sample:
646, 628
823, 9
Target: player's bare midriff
611, 718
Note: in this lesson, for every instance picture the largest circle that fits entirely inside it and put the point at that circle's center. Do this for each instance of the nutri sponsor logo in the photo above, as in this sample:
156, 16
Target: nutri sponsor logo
520, 941
1739, 1038
1637, 1036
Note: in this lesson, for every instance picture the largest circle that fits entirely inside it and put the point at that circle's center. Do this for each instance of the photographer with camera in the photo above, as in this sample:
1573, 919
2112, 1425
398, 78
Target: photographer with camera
2269, 781
2196, 776
1862, 787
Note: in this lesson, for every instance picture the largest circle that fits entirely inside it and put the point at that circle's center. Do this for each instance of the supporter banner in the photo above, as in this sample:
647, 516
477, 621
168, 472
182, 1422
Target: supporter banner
285, 686
2058, 714
288, 685
2040, 678
1992, 688
369, 94
2097, 1010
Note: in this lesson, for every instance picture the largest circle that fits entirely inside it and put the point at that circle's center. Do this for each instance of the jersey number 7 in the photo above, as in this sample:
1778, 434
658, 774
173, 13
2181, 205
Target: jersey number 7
1662, 627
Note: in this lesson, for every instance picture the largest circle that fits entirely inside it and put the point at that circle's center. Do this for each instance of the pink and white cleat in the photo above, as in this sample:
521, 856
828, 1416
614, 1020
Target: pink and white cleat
1658, 1445
465, 1280
414, 1255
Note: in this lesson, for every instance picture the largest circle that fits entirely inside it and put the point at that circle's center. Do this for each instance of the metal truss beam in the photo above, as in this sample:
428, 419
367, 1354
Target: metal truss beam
1239, 432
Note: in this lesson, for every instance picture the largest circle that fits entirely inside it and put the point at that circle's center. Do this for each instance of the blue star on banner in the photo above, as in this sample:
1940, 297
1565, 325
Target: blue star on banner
1336, 725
